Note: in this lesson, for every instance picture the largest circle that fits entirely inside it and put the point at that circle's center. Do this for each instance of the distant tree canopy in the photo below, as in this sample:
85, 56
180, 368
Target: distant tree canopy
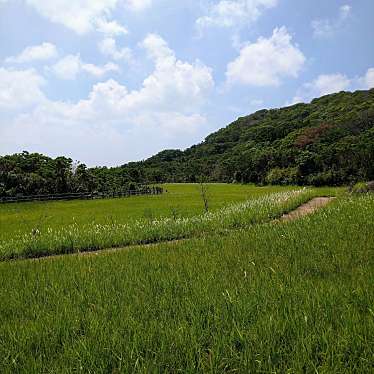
27, 174
327, 142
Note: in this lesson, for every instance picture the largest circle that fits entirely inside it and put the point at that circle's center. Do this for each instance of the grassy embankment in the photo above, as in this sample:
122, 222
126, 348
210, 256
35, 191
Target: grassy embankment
290, 297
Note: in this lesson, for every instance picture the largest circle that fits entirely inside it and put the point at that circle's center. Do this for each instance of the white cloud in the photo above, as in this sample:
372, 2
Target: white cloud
44, 51
80, 16
229, 13
99, 71
267, 61
324, 84
327, 84
138, 5
323, 28
83, 16
367, 81
344, 11
20, 89
68, 67
71, 65
108, 47
112, 123
110, 28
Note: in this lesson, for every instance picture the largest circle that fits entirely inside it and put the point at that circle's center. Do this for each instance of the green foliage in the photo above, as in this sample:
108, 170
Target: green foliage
285, 298
327, 142
27, 174
278, 176
45, 240
20, 219
361, 187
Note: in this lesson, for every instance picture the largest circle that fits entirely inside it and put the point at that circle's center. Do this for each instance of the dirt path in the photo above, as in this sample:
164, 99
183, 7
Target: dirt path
303, 210
307, 208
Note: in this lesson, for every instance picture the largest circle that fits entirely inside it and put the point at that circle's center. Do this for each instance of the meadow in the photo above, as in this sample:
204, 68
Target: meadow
180, 199
40, 229
250, 295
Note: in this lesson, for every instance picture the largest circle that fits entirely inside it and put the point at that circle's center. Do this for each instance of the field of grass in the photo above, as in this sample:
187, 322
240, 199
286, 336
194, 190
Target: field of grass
181, 199
163, 222
288, 297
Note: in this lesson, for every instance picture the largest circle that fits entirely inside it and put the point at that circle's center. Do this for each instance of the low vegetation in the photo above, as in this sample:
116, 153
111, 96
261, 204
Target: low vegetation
92, 236
285, 297
363, 187
179, 200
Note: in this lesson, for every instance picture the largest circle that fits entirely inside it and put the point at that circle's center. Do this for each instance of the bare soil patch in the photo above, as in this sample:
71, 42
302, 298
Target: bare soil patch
307, 208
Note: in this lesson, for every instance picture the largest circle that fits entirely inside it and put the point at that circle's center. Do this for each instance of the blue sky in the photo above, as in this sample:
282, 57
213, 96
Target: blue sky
110, 81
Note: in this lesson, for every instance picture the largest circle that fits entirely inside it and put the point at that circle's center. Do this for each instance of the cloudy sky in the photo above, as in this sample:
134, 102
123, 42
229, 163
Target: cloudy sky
110, 81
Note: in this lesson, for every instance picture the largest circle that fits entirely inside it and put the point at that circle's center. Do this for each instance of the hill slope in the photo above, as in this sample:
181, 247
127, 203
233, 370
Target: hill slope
329, 141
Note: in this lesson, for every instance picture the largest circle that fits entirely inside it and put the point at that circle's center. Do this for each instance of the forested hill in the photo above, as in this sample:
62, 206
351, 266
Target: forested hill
327, 142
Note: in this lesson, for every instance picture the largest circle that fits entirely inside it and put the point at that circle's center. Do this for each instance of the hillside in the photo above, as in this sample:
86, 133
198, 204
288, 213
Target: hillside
327, 142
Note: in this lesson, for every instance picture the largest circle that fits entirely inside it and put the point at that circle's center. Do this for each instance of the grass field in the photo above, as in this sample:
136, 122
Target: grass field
271, 298
180, 199
40, 229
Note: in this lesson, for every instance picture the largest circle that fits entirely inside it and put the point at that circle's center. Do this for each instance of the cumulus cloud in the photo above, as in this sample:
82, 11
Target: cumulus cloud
138, 5
83, 16
326, 84
71, 65
113, 122
323, 28
110, 28
44, 51
20, 89
229, 13
368, 80
78, 15
108, 47
266, 61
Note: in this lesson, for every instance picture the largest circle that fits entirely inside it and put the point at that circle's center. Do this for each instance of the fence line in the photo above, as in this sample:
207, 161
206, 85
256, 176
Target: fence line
82, 196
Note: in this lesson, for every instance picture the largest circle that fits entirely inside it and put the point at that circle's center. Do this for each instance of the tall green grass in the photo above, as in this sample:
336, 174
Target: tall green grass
89, 237
181, 200
293, 297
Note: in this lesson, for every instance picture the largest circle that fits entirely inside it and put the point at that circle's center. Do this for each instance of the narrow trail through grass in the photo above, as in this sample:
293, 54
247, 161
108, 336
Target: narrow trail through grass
307, 208
302, 210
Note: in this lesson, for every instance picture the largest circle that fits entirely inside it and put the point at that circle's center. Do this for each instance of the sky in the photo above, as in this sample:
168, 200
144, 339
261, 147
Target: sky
110, 81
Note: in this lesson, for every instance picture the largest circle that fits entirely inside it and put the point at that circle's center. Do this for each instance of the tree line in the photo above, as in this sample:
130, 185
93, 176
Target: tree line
26, 174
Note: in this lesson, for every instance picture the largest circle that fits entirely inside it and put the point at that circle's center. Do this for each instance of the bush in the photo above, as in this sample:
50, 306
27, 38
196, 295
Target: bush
324, 178
361, 187
283, 176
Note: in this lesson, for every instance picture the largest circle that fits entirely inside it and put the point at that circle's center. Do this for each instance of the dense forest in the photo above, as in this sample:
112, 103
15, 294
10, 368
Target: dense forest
327, 142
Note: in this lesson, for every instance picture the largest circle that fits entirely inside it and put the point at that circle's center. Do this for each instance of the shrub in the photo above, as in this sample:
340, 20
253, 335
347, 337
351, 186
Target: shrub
362, 187
324, 178
283, 176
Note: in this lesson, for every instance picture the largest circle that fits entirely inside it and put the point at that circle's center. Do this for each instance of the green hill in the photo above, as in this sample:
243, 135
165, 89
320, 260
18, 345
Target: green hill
329, 141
